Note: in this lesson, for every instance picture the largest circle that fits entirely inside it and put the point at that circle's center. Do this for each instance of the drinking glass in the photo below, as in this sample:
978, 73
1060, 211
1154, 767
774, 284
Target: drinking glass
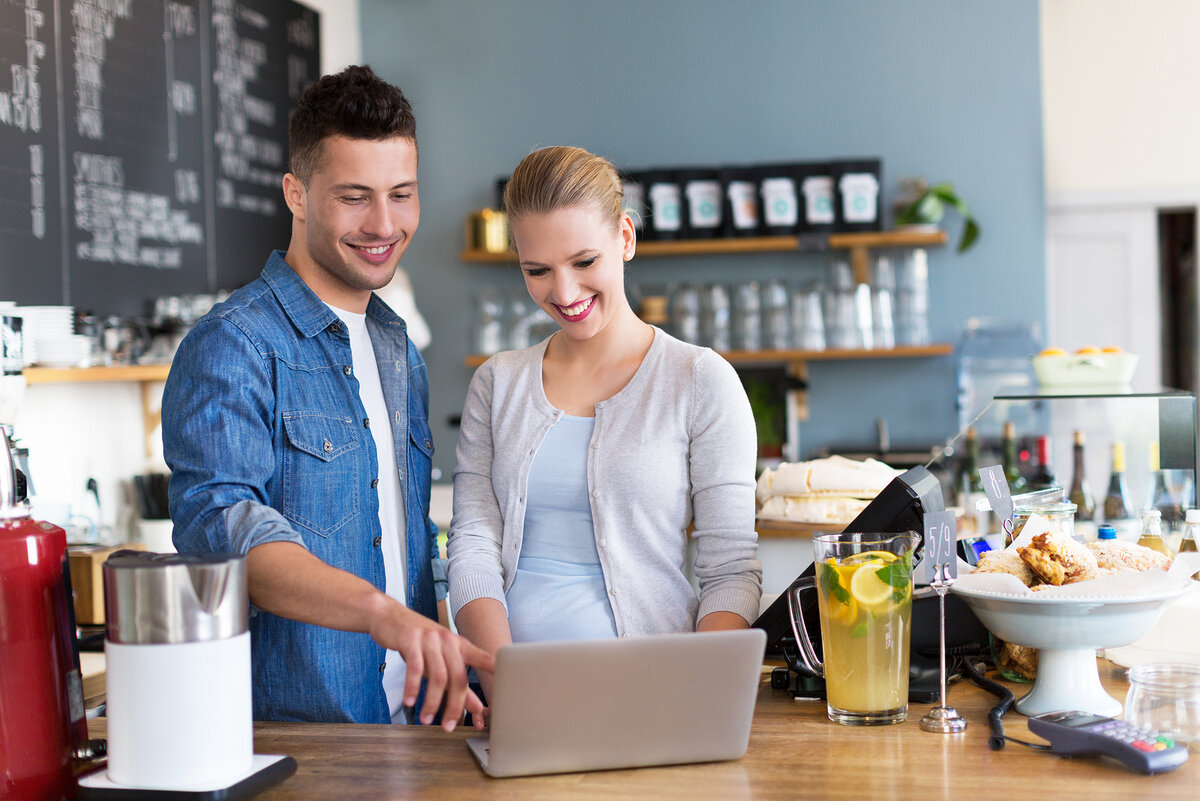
864, 601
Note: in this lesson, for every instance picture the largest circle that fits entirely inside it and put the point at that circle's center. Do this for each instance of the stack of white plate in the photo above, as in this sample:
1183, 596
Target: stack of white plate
49, 336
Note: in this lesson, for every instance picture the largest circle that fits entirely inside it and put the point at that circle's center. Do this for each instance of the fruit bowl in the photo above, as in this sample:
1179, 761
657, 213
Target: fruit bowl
1067, 630
1084, 369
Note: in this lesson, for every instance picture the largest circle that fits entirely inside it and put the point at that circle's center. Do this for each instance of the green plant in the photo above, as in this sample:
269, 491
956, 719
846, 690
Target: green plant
767, 406
926, 205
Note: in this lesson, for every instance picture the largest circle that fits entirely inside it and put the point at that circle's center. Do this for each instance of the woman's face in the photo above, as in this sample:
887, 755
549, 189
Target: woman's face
573, 261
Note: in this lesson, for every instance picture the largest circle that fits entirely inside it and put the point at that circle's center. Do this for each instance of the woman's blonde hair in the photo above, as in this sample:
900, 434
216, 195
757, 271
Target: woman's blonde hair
554, 178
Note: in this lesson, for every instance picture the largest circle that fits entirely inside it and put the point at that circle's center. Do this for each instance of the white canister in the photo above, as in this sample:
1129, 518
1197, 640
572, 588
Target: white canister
178, 680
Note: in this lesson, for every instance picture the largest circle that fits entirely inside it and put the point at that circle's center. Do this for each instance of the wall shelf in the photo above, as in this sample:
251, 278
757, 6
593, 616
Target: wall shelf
768, 358
859, 245
70, 375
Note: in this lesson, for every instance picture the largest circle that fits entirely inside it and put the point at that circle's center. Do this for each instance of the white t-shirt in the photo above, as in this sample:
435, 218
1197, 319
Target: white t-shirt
392, 516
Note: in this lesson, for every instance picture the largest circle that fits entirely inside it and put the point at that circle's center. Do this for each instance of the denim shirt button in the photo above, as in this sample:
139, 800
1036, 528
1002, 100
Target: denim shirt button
374, 483
335, 328
327, 447
428, 444
347, 370
366, 422
376, 541
382, 666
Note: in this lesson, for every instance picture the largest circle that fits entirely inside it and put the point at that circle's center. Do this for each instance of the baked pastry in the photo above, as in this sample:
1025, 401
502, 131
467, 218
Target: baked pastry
1007, 561
1116, 556
1057, 559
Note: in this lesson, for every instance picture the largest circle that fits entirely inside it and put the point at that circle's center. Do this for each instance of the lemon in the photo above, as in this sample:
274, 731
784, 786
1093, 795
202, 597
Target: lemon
867, 588
1087, 350
882, 557
1053, 352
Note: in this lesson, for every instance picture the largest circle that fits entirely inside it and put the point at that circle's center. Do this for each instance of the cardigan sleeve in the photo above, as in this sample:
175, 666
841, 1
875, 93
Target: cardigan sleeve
722, 453
477, 526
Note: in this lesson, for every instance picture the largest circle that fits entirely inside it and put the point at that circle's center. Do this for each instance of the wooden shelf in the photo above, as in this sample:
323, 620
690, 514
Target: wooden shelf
774, 357
67, 375
791, 529
854, 242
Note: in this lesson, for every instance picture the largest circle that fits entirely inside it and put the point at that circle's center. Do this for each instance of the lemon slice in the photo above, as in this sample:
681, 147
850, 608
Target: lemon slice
882, 557
867, 588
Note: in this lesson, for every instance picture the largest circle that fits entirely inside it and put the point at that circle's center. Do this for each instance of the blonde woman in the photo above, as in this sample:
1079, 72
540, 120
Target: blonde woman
583, 460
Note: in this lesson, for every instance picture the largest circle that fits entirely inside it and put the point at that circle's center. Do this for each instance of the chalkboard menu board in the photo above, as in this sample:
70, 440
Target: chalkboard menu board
142, 145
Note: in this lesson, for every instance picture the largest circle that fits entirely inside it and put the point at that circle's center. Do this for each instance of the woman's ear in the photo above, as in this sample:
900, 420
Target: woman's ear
628, 237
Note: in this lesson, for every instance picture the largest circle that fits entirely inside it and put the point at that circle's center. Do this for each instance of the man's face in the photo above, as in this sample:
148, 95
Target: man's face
354, 219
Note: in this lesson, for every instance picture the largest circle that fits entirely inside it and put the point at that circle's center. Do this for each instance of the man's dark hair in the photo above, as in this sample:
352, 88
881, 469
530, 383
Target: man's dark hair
355, 103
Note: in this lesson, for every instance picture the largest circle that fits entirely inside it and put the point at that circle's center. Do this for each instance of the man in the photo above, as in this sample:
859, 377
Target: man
295, 423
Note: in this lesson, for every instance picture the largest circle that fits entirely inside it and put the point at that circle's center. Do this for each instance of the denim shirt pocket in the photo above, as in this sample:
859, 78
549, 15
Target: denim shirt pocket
321, 471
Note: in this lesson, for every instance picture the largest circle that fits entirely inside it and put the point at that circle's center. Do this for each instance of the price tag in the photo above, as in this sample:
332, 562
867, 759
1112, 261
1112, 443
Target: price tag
939, 561
995, 486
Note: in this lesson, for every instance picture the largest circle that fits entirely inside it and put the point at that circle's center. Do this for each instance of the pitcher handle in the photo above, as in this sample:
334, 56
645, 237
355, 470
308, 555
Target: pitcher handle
808, 654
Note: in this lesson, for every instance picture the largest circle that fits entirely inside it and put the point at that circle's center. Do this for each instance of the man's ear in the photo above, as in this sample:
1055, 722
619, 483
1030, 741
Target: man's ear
294, 195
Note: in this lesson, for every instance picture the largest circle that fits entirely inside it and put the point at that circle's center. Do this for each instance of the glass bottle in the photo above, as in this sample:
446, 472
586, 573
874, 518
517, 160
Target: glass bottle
1159, 497
971, 485
1016, 481
1151, 536
1043, 477
1191, 532
1117, 508
1081, 492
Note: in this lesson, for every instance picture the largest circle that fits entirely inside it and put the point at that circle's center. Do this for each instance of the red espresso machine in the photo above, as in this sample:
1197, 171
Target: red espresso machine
42, 723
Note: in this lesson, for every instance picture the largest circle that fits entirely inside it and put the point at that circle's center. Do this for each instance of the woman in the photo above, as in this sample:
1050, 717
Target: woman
583, 459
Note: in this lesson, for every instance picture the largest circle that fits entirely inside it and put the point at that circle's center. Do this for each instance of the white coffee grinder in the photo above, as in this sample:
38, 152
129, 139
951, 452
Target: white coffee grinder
177, 650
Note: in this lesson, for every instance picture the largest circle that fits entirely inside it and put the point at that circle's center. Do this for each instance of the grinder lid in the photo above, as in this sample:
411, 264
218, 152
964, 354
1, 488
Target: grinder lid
174, 598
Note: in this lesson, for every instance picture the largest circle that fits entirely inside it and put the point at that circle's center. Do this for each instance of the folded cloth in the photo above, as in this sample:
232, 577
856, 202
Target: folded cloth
825, 509
832, 475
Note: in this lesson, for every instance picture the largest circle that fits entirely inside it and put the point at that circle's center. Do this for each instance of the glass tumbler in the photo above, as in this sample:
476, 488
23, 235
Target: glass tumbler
1165, 698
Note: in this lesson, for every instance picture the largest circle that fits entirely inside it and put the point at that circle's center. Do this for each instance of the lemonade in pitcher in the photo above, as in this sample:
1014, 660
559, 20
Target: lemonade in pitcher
865, 605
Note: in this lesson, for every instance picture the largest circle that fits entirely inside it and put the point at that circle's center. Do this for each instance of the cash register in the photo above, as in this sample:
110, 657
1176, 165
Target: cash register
901, 506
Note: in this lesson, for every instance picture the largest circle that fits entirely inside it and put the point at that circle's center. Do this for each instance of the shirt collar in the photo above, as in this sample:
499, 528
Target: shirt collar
308, 312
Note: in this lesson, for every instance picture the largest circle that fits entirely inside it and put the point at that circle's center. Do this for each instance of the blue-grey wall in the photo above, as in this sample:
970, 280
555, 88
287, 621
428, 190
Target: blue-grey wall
941, 88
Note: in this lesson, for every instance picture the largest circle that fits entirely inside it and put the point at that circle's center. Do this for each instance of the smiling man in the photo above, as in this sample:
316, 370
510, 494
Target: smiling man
295, 423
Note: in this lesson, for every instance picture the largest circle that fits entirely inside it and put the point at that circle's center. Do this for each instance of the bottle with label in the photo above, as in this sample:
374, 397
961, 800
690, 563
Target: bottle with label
1159, 497
1151, 536
1117, 509
1016, 482
1191, 532
1043, 477
1081, 491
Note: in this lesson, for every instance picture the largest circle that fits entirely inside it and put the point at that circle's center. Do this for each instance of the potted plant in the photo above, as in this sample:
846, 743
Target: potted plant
924, 205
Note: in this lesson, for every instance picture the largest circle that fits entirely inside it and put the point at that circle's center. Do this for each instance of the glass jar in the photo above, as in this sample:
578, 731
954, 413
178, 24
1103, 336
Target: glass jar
1165, 698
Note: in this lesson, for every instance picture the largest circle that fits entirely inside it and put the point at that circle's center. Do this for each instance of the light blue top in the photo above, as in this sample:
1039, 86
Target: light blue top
558, 592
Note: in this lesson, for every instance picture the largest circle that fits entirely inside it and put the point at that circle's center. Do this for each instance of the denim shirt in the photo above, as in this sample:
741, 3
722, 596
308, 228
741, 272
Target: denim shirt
268, 441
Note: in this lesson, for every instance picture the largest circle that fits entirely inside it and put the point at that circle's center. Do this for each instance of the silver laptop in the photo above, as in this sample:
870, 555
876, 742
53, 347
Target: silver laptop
562, 707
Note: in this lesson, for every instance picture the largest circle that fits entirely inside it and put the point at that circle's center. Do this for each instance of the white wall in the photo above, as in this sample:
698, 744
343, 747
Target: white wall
1119, 94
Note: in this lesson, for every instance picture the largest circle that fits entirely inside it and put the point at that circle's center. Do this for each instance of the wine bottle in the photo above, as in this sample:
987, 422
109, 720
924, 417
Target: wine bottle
1016, 481
1159, 497
1081, 492
1043, 477
971, 485
1117, 509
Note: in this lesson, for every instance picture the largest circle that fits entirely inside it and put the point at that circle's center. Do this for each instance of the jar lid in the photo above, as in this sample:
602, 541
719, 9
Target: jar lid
1106, 532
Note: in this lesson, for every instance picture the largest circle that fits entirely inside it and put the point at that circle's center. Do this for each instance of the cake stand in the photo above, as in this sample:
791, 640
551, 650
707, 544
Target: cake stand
1067, 631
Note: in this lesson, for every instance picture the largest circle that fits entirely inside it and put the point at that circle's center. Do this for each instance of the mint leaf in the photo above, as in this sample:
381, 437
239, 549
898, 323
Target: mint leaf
832, 585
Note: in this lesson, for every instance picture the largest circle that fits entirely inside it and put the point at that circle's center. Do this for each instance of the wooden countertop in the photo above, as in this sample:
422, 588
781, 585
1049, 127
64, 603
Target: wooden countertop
795, 752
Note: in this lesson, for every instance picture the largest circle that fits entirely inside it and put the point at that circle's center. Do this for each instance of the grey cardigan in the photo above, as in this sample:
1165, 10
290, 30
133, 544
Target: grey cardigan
675, 446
